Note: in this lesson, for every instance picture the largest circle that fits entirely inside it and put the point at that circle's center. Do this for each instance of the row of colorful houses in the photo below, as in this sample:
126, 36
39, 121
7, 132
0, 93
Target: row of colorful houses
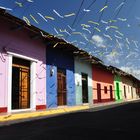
40, 71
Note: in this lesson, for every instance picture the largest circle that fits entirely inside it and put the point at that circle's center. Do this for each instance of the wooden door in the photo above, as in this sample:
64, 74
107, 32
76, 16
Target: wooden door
20, 84
99, 92
85, 88
24, 88
61, 87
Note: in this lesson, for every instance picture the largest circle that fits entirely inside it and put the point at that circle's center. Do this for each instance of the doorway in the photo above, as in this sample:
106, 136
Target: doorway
20, 84
118, 91
125, 92
85, 88
99, 92
111, 93
132, 92
61, 87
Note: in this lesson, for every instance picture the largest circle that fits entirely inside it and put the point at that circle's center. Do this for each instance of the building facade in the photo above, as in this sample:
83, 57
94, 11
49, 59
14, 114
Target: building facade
22, 72
129, 90
83, 82
103, 84
60, 78
38, 72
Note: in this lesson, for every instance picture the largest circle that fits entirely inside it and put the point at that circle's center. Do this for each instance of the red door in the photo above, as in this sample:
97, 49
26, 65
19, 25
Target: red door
99, 92
111, 93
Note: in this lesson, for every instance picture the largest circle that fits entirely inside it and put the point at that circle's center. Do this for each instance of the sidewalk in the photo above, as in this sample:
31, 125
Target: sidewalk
8, 119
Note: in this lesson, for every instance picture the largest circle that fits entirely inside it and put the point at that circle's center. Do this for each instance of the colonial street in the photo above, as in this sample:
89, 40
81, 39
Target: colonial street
119, 121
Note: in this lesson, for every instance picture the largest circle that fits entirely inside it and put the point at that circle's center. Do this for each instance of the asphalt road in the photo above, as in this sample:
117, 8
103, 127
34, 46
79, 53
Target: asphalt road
113, 122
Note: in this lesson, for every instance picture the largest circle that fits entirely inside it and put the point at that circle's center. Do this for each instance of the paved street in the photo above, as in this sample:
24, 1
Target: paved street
113, 122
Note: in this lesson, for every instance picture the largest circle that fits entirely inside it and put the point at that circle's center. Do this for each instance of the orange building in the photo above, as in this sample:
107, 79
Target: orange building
103, 84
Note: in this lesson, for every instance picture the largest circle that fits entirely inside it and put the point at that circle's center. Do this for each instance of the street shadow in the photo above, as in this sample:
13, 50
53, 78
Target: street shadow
112, 122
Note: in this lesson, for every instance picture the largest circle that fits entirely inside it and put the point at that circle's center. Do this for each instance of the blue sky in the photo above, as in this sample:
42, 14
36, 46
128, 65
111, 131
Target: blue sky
116, 38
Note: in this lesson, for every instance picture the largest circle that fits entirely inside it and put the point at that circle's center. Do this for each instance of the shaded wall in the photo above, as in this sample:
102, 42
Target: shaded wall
55, 59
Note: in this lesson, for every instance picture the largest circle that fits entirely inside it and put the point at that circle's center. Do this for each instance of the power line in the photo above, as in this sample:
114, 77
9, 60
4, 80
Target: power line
115, 16
86, 13
77, 13
98, 20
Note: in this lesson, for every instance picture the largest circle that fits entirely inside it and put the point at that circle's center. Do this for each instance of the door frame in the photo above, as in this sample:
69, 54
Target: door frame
32, 81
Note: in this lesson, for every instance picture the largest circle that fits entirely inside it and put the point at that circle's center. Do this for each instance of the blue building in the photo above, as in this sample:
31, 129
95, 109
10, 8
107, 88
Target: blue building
60, 77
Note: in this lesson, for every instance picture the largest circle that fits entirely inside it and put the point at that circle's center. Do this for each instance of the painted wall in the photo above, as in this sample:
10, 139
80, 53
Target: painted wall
130, 89
118, 92
18, 41
105, 78
55, 59
82, 67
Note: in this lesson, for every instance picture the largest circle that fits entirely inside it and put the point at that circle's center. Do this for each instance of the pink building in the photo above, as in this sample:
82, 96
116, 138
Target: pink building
103, 84
22, 66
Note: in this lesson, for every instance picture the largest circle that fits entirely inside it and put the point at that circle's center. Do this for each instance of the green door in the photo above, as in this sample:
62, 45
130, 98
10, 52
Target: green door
118, 91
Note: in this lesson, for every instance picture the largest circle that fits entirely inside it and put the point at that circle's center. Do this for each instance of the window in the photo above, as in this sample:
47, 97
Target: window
105, 89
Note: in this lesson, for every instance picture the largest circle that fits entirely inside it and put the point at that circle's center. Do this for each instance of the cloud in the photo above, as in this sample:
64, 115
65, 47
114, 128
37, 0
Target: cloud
132, 70
138, 18
112, 59
98, 41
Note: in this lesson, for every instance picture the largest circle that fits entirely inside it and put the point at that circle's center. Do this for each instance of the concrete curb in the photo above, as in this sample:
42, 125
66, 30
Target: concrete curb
5, 119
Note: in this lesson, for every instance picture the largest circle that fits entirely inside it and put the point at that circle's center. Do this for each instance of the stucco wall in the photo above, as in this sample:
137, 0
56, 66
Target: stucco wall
3, 77
55, 59
19, 41
104, 78
130, 93
82, 67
